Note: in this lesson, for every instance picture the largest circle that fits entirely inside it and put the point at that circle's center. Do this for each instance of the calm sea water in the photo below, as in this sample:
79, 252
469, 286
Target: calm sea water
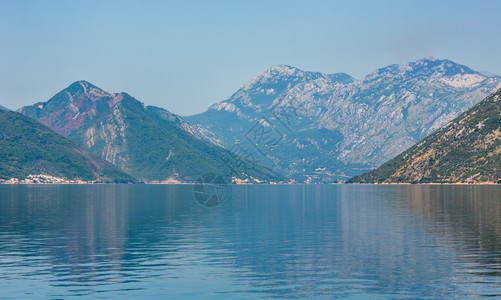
320, 241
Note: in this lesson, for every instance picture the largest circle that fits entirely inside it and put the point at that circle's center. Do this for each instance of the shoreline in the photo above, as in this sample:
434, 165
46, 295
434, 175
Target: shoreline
429, 183
193, 183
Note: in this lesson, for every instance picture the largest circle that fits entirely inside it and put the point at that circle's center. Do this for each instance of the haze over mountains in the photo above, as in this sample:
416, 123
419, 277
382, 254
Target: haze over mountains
133, 137
468, 149
334, 126
309, 126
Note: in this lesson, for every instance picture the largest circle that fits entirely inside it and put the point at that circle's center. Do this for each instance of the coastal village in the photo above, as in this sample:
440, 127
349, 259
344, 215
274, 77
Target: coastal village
47, 179
41, 178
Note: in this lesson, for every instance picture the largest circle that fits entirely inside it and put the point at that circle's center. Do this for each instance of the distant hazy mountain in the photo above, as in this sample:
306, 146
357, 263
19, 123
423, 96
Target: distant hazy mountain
333, 126
3, 108
27, 147
468, 149
133, 137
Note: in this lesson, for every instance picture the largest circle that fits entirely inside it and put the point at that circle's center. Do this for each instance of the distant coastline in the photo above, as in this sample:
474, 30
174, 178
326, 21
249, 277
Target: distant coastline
427, 183
79, 182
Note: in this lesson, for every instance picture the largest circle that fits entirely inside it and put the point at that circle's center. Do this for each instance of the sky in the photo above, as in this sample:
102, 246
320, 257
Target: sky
187, 55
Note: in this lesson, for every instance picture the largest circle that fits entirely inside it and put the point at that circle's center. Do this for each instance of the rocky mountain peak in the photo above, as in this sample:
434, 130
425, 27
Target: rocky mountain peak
430, 58
426, 67
82, 87
280, 74
271, 75
282, 70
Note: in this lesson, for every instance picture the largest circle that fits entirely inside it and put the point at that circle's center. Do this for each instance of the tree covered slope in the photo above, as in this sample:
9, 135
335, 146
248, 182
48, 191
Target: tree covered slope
27, 147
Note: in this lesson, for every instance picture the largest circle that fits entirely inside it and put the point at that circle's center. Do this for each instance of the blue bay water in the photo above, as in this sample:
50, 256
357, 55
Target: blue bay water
309, 241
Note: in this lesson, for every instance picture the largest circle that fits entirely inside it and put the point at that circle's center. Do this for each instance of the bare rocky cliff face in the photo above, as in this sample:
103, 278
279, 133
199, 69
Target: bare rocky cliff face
334, 126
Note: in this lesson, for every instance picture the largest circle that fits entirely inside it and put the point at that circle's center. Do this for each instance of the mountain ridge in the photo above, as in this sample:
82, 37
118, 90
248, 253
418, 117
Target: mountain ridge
135, 138
365, 122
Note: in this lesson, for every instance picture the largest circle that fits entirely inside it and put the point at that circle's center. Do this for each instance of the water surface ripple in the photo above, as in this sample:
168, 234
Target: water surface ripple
315, 241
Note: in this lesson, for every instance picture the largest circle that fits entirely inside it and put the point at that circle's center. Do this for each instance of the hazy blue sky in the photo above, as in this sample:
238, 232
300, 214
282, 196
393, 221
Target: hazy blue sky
186, 55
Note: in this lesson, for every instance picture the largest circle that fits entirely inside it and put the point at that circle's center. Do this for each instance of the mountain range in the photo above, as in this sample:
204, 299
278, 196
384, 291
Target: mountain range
148, 143
29, 148
467, 149
309, 126
330, 127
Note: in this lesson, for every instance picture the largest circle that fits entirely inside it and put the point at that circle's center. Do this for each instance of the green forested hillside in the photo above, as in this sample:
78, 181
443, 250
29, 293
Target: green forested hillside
27, 147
